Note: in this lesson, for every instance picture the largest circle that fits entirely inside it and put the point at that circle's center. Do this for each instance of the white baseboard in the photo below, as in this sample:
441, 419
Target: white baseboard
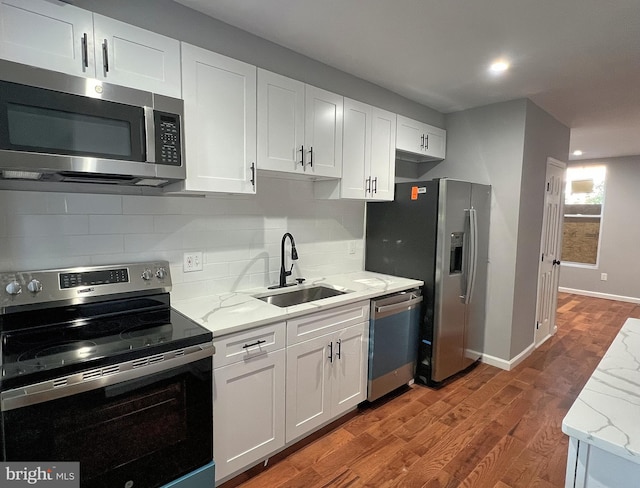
595, 294
510, 364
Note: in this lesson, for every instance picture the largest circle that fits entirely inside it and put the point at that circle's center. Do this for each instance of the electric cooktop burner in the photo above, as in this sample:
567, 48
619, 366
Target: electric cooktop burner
53, 338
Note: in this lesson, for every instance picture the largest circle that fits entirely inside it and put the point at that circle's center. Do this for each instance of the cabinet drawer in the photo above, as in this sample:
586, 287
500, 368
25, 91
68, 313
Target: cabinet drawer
237, 347
316, 324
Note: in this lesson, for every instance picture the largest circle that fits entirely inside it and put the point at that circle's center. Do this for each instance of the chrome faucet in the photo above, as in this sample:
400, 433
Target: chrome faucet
294, 256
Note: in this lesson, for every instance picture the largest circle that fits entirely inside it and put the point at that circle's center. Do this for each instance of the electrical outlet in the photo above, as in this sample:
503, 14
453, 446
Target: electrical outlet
603, 276
352, 247
192, 261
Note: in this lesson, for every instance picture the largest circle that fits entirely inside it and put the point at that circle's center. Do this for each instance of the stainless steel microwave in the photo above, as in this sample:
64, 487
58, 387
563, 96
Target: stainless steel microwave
58, 127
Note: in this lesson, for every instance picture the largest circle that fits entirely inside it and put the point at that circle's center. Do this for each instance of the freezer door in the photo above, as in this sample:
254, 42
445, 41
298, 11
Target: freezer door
476, 308
452, 263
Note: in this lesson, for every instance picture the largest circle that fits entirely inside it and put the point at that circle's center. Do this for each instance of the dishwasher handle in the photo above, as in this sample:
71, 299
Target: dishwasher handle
399, 305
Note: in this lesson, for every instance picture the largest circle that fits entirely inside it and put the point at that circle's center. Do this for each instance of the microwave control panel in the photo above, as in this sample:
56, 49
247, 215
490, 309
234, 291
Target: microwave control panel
168, 147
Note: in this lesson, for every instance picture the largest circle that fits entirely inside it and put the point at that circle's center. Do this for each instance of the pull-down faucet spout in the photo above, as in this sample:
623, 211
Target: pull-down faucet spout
294, 256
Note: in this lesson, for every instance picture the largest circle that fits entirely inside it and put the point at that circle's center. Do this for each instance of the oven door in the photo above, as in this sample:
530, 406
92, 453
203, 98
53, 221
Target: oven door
143, 432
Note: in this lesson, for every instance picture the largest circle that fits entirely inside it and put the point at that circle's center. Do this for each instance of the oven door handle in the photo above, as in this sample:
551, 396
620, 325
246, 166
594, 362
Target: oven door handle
101, 377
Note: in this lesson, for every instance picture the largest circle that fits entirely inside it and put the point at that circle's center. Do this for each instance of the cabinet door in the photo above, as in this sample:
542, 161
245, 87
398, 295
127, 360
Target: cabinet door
435, 142
383, 154
48, 35
248, 409
220, 122
308, 386
323, 132
356, 155
349, 372
135, 57
280, 122
409, 135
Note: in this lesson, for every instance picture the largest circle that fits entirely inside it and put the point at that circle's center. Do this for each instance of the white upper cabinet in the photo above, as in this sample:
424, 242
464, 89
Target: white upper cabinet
130, 56
280, 122
64, 38
417, 141
219, 123
299, 127
369, 146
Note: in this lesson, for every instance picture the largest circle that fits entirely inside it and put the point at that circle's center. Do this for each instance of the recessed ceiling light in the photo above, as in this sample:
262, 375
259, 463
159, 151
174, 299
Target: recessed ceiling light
577, 152
499, 66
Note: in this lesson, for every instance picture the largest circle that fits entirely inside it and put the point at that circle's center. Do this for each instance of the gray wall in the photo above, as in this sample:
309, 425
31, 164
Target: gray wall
179, 22
544, 137
484, 145
620, 235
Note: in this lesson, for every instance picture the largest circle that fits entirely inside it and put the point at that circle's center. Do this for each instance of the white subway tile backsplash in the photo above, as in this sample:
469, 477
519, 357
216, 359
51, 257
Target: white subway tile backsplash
47, 225
81, 203
239, 236
120, 224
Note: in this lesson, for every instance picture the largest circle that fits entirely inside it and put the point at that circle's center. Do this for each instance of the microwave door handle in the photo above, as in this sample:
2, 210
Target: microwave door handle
150, 134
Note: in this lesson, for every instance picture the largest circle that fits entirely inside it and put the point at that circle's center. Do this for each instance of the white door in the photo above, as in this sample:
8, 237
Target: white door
356, 155
48, 35
308, 402
323, 132
383, 154
248, 408
220, 122
135, 57
280, 122
550, 251
410, 134
349, 368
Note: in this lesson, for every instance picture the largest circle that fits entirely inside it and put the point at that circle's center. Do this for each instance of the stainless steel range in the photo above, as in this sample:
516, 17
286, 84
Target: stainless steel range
96, 367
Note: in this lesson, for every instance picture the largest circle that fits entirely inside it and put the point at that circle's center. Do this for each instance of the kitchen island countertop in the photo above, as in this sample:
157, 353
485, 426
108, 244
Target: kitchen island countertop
226, 313
606, 413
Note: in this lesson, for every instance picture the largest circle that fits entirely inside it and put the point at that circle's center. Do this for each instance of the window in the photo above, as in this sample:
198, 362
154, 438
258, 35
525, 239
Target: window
584, 199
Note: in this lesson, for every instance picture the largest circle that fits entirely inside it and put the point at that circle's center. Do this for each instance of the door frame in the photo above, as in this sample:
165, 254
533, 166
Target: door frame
553, 289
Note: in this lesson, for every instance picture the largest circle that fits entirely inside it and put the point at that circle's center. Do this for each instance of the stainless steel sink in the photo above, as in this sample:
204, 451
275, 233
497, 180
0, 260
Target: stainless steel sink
299, 295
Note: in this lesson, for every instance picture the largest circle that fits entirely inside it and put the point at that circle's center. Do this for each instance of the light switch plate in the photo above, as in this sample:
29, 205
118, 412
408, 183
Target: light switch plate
192, 261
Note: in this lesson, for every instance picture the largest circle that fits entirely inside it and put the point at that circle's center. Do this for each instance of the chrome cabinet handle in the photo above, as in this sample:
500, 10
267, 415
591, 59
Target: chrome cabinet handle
375, 185
257, 343
426, 141
422, 142
311, 157
367, 188
85, 51
253, 175
302, 155
331, 352
105, 56
338, 354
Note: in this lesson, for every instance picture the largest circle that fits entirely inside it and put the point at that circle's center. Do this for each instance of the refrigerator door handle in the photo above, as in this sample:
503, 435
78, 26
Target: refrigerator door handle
473, 254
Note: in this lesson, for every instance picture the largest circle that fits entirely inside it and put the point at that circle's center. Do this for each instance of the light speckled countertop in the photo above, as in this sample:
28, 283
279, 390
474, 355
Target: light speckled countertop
226, 313
606, 413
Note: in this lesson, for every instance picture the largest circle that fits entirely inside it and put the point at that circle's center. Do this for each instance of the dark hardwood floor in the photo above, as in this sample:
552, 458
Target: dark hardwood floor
489, 428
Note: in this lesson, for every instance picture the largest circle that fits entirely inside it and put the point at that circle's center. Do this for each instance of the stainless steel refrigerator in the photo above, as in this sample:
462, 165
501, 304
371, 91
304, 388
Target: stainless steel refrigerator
437, 231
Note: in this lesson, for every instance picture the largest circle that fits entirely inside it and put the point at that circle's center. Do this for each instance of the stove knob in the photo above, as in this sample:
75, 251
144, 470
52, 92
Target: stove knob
147, 275
13, 288
161, 273
34, 286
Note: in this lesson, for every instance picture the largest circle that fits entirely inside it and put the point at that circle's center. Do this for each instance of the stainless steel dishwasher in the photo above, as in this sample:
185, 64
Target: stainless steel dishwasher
393, 341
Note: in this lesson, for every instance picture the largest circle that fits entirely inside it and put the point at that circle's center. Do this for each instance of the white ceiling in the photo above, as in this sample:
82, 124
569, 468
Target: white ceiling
577, 59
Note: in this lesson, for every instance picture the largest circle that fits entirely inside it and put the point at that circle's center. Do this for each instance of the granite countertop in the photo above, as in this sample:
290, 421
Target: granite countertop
607, 411
226, 313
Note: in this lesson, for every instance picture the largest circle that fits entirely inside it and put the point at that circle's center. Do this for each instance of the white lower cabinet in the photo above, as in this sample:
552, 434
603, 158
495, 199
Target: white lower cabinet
326, 367
325, 378
267, 396
248, 399
591, 467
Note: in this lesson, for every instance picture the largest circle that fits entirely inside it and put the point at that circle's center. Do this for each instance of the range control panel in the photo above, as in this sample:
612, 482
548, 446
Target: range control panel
36, 287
